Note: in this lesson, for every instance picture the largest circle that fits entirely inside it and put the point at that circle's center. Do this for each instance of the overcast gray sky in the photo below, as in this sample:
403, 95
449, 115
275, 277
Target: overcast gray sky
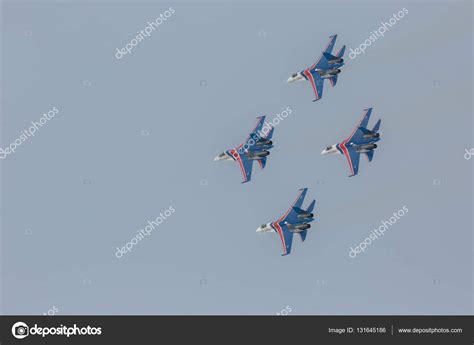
137, 135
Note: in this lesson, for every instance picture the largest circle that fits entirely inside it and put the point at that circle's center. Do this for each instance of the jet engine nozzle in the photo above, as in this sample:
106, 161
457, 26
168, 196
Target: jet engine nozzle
298, 227
366, 148
335, 61
334, 71
264, 142
258, 155
372, 135
305, 215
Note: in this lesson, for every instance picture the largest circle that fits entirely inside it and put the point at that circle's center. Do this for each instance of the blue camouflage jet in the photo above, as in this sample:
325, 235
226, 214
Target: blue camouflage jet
255, 148
360, 141
295, 220
327, 67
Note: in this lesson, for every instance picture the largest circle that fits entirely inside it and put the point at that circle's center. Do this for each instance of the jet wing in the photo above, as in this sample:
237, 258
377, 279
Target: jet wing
291, 216
245, 164
316, 82
357, 134
286, 237
255, 134
322, 62
352, 157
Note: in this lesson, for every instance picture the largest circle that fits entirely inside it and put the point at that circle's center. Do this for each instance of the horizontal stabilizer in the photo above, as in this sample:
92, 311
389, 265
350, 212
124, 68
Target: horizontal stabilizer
303, 234
370, 155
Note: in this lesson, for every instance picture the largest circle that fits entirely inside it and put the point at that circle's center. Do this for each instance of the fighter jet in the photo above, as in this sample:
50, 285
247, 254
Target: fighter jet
327, 67
255, 148
295, 220
360, 141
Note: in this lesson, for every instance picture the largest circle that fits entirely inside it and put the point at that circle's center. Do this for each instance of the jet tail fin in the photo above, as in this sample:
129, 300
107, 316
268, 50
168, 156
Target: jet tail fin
333, 80
341, 51
377, 126
270, 134
262, 162
311, 206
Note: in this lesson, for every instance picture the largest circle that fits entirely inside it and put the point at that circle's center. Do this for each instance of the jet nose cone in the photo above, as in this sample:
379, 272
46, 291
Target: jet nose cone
329, 150
220, 157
